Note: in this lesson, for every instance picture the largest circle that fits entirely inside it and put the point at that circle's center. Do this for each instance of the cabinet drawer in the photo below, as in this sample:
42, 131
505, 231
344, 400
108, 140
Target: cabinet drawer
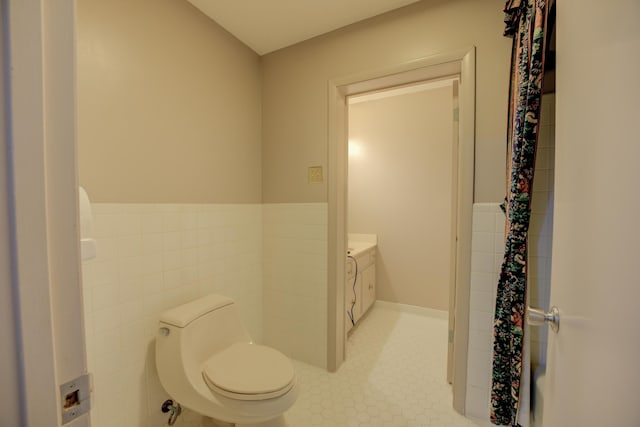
364, 260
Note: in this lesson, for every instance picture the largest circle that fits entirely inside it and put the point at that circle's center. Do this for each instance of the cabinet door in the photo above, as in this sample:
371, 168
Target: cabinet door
368, 287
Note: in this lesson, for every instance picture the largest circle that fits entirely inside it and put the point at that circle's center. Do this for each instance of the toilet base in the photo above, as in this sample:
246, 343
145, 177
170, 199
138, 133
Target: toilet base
276, 422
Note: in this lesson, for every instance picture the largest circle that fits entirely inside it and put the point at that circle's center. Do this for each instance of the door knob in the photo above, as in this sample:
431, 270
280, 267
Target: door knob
537, 317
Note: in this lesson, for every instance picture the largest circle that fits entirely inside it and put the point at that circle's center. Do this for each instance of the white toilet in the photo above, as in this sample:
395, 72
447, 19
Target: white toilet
207, 363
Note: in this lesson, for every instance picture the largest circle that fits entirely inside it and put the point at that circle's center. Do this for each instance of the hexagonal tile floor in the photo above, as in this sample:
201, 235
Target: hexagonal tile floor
394, 375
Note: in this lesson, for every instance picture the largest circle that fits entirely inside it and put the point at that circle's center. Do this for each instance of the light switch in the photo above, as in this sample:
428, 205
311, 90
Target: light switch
314, 175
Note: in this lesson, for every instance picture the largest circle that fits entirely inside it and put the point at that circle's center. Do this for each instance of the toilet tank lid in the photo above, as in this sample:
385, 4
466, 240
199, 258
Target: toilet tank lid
184, 314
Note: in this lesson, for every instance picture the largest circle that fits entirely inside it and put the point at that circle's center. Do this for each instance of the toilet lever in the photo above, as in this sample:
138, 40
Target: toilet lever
537, 317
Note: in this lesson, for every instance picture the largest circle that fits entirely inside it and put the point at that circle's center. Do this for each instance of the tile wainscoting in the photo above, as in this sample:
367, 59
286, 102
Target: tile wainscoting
295, 280
486, 260
151, 258
271, 259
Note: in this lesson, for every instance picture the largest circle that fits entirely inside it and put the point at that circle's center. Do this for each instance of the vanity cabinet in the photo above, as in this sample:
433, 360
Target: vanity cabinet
360, 288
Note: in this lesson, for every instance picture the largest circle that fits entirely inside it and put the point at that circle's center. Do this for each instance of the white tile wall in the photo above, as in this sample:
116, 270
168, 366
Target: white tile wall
295, 280
150, 258
487, 246
486, 260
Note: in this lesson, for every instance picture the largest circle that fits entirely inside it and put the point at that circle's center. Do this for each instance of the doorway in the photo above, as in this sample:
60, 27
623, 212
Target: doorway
460, 63
402, 197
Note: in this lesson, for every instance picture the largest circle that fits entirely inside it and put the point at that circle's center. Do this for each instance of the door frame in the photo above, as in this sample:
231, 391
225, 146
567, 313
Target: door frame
460, 62
43, 202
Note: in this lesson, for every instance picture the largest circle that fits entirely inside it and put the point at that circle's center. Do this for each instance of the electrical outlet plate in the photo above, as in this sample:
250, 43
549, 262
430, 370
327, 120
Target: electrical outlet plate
75, 398
314, 175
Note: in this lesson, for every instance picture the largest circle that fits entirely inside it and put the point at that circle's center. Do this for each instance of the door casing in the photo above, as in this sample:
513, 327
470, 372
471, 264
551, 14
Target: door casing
460, 62
43, 203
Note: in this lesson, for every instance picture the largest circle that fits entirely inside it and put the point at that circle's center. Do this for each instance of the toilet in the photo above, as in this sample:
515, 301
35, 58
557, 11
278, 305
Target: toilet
207, 362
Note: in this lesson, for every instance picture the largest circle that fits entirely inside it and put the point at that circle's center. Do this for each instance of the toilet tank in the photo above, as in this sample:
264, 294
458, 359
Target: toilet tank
205, 326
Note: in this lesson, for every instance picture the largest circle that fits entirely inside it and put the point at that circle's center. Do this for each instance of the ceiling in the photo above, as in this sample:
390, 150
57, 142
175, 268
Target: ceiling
268, 25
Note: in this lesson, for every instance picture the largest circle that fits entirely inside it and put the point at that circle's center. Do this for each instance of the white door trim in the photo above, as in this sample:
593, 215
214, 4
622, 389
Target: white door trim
43, 202
462, 62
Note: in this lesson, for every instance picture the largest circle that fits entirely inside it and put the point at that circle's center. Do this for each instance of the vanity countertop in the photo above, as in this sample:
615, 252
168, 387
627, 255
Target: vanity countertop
359, 243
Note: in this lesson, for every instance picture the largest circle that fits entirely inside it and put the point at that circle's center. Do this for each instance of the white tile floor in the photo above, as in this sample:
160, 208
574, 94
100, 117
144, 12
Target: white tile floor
395, 375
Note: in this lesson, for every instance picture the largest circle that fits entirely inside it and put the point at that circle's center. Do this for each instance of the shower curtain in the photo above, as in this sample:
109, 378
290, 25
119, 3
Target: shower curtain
526, 23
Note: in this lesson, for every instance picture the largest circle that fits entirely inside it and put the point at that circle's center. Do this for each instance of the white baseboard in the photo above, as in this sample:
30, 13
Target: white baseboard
413, 309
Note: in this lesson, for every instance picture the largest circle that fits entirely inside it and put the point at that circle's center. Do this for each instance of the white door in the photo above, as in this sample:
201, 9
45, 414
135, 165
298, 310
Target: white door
593, 370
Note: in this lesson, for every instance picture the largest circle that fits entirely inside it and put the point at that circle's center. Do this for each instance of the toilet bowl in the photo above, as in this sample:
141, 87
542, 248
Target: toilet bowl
207, 362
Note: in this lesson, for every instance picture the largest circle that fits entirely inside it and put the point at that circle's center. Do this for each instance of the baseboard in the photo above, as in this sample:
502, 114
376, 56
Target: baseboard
413, 309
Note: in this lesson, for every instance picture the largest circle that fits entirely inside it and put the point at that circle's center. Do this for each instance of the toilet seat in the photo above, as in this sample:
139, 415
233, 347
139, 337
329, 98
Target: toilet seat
246, 371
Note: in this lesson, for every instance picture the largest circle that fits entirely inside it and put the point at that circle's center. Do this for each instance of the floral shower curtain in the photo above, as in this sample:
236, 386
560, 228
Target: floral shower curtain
526, 22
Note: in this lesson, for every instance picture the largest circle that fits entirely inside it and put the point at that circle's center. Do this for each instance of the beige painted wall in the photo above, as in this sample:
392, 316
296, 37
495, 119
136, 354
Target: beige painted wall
295, 88
9, 388
400, 188
169, 105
